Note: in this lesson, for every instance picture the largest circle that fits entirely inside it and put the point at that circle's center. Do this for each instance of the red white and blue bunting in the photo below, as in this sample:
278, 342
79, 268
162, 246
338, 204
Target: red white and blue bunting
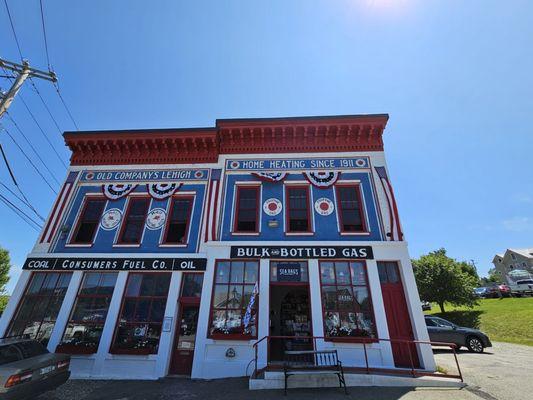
117, 191
322, 180
160, 191
270, 176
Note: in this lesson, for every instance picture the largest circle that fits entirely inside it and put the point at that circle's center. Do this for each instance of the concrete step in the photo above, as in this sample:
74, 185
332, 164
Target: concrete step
275, 380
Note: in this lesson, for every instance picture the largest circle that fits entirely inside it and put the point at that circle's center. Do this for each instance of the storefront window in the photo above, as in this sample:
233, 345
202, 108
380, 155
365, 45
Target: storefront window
143, 307
346, 300
192, 285
88, 316
235, 299
38, 309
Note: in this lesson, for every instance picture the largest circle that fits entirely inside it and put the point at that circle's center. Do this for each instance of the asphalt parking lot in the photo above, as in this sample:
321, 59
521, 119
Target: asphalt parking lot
504, 372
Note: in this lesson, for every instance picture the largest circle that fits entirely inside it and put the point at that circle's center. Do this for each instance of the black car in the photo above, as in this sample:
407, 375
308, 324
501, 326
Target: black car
441, 330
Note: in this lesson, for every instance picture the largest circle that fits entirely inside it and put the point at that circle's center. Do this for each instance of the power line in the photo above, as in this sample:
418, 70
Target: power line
44, 35
25, 217
23, 200
45, 105
42, 131
13, 29
65, 105
16, 184
29, 160
33, 148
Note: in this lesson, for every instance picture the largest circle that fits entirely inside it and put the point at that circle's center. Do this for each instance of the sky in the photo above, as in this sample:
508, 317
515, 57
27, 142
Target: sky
454, 76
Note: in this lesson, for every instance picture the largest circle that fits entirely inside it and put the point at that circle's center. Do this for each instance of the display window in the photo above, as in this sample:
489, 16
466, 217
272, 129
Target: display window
346, 303
86, 322
139, 324
235, 300
37, 311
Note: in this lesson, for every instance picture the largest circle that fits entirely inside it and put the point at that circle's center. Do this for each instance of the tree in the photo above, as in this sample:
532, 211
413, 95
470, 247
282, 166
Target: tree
5, 264
442, 279
493, 277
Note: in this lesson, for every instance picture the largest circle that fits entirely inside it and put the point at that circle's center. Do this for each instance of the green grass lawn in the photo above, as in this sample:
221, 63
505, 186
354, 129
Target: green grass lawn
504, 320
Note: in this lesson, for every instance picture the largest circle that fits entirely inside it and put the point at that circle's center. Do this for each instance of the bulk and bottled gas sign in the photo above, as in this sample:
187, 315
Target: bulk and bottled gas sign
299, 252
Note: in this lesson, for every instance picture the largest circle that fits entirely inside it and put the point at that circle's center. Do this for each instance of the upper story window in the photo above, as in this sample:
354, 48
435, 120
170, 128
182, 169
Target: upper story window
133, 224
513, 256
298, 210
139, 326
88, 316
179, 220
350, 209
89, 220
247, 209
39, 307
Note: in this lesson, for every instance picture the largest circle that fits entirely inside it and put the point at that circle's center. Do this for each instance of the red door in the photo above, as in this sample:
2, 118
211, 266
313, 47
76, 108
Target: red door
397, 314
183, 354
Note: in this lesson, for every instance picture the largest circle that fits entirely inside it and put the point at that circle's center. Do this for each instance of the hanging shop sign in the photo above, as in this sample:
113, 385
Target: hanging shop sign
144, 175
115, 264
302, 252
289, 272
320, 164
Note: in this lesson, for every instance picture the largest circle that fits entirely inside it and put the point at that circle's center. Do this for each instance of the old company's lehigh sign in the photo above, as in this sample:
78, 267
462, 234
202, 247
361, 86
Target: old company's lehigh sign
116, 264
296, 252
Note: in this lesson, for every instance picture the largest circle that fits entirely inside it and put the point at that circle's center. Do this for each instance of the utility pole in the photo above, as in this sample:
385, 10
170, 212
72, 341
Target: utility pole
23, 72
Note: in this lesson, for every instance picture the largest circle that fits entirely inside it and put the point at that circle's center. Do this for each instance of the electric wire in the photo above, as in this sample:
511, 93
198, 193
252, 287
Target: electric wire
45, 105
29, 160
65, 105
25, 217
33, 148
13, 29
44, 35
23, 201
14, 180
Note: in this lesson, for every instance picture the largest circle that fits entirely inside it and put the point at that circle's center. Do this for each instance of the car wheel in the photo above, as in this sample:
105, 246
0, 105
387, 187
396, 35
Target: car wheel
474, 344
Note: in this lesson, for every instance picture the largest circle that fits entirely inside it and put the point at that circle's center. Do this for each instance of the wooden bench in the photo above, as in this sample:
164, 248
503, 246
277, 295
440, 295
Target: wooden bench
311, 362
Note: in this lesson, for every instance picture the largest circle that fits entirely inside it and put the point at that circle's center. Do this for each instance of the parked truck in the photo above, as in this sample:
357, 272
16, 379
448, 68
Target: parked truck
522, 287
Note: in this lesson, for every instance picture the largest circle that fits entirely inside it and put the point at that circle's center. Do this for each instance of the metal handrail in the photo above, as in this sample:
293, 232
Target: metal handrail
364, 342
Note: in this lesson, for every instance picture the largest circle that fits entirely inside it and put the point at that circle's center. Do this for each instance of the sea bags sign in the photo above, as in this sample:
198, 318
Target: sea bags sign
115, 264
299, 252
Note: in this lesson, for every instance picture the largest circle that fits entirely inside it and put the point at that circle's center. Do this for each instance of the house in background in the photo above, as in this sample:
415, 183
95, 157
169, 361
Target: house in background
514, 264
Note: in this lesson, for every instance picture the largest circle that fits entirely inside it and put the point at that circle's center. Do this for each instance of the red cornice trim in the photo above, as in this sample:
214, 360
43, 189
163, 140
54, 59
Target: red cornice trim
231, 136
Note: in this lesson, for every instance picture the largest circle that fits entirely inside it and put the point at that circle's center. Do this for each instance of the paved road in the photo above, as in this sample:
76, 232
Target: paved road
503, 372
235, 389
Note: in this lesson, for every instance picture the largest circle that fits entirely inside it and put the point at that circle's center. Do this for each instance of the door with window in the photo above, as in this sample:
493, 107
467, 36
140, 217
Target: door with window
397, 313
187, 324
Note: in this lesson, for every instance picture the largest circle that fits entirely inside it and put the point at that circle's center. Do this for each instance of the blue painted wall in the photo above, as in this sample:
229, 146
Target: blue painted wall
150, 244
326, 227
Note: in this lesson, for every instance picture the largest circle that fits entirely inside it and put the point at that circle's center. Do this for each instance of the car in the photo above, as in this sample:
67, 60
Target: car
499, 290
481, 292
441, 330
28, 369
426, 306
522, 287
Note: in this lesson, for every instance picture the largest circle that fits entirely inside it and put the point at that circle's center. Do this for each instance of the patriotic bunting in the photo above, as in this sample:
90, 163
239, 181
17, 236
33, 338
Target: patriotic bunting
116, 191
270, 176
322, 180
160, 191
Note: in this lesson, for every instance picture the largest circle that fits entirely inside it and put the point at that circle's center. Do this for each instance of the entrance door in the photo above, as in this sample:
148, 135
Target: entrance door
290, 309
186, 326
397, 314
183, 355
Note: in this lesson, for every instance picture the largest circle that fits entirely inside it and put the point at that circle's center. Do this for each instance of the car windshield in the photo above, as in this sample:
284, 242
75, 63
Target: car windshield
524, 282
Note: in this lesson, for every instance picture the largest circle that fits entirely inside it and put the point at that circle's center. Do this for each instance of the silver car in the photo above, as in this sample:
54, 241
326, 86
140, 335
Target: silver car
27, 369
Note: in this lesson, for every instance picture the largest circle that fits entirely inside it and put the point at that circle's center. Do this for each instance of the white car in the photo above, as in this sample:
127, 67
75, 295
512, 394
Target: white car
522, 287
